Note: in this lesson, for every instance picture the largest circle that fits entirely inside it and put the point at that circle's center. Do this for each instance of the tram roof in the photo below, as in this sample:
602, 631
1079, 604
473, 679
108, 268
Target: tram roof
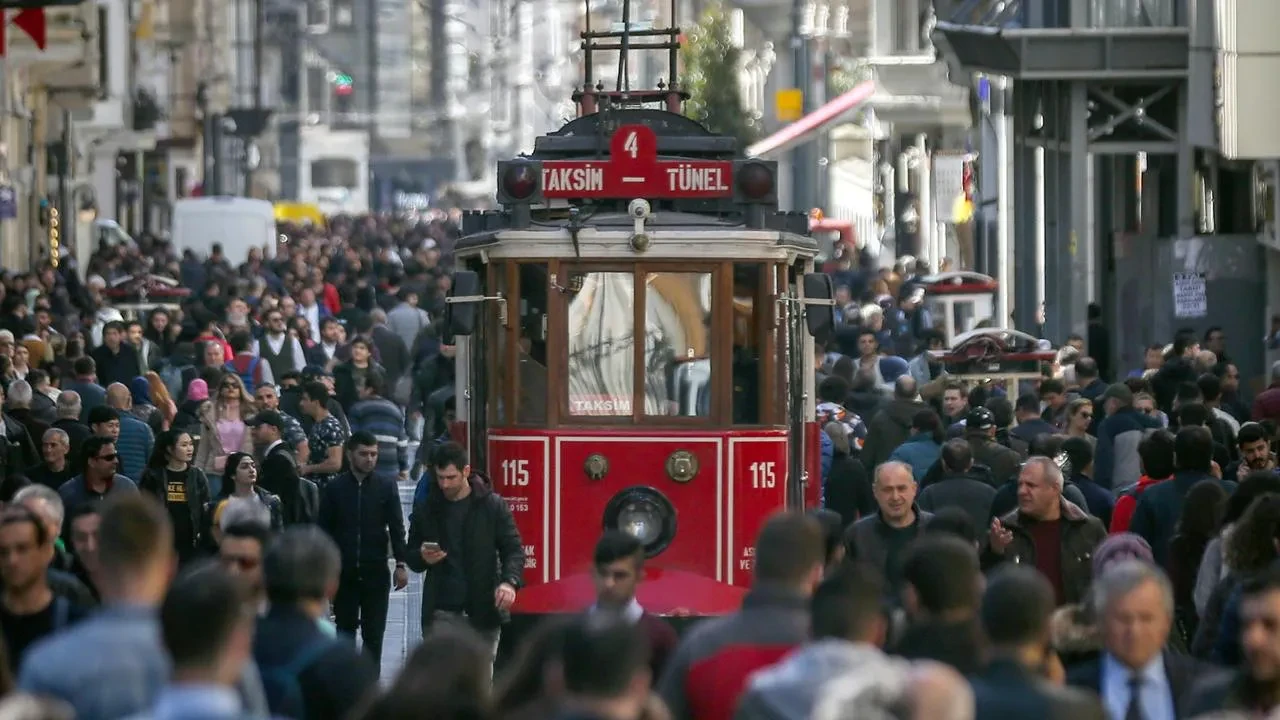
672, 235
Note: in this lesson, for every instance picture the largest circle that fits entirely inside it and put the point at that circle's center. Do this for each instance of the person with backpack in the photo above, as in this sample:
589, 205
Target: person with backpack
307, 672
1156, 455
253, 372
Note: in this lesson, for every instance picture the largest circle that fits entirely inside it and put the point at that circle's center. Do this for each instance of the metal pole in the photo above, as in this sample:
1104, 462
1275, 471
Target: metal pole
69, 214
1041, 226
924, 203
801, 162
1003, 122
259, 24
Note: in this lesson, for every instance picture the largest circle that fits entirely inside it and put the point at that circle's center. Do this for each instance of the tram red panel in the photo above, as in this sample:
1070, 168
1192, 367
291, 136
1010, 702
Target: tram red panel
639, 460
758, 487
520, 468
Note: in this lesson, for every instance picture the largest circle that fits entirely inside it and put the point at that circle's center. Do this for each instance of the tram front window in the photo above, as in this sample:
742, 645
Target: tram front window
677, 344
601, 344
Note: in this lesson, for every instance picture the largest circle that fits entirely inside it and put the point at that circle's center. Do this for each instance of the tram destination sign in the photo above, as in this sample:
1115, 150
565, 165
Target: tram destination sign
633, 170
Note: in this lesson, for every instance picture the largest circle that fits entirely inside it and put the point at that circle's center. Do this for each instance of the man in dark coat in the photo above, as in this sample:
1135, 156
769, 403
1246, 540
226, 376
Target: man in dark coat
1018, 681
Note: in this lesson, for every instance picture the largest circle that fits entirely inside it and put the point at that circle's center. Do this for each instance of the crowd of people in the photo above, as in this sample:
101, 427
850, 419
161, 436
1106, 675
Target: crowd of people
202, 507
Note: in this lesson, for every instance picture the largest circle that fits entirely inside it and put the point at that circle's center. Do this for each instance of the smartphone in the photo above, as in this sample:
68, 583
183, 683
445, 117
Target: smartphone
431, 546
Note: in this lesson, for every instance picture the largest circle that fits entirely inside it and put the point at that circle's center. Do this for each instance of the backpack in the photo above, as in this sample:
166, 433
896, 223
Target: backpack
281, 682
247, 376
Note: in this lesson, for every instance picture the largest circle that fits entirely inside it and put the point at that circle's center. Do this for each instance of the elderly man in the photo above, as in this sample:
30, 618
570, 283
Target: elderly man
1136, 676
70, 409
56, 467
881, 539
1048, 532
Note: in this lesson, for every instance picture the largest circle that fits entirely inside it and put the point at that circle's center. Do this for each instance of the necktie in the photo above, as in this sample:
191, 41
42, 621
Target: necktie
1135, 699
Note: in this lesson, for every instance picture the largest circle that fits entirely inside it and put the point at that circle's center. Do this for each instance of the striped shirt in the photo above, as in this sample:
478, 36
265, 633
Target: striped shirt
385, 421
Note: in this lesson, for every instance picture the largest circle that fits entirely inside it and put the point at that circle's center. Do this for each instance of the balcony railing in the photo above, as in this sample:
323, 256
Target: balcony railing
1134, 13
1056, 13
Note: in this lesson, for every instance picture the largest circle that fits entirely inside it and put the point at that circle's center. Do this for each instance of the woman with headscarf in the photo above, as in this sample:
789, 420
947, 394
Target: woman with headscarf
142, 408
188, 416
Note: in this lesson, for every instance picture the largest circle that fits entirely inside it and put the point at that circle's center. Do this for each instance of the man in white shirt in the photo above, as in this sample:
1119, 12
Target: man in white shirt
618, 570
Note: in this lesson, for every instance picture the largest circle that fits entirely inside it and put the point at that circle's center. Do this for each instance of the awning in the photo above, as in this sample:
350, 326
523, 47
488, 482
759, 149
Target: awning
803, 129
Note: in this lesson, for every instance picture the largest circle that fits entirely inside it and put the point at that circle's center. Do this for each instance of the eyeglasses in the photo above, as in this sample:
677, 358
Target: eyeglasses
109, 458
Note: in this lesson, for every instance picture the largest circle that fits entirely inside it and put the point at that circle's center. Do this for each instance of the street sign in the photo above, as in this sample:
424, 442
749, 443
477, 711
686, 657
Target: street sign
789, 104
633, 170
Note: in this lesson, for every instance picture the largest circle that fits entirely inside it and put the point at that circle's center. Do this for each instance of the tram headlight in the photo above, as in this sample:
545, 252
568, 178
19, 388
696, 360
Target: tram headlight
754, 180
519, 181
645, 514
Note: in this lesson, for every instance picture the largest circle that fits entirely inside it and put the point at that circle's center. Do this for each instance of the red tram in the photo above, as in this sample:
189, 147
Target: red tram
634, 346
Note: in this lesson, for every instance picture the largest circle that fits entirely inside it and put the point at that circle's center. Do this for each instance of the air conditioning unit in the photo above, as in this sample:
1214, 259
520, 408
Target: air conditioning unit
78, 32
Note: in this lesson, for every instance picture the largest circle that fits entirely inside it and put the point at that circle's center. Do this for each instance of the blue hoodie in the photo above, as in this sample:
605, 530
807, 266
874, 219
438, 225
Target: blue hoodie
920, 452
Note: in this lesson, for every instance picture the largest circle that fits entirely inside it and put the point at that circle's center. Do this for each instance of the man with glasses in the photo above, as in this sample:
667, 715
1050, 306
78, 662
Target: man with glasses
99, 479
281, 351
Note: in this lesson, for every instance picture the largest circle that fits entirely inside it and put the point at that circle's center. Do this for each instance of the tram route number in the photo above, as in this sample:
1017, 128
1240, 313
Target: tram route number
515, 473
764, 475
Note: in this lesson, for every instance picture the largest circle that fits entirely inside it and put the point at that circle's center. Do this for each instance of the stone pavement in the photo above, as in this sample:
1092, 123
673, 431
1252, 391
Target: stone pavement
404, 615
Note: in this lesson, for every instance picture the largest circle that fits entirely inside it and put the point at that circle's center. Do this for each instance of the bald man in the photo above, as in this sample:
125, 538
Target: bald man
136, 439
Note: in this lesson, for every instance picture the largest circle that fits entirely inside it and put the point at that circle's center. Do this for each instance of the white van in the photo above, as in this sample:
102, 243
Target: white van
237, 223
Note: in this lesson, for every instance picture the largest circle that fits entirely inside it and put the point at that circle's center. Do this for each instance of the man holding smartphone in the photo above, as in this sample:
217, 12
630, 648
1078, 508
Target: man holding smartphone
468, 547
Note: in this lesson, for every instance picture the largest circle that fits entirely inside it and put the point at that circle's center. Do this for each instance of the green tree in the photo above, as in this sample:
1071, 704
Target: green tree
711, 64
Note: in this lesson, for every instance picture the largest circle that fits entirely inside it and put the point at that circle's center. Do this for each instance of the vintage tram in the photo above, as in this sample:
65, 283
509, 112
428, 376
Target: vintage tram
634, 347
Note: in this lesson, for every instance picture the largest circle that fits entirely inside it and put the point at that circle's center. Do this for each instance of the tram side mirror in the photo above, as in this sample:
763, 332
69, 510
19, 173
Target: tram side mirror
819, 304
462, 304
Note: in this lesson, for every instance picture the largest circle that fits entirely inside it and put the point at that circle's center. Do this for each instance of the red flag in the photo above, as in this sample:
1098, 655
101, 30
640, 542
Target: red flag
32, 22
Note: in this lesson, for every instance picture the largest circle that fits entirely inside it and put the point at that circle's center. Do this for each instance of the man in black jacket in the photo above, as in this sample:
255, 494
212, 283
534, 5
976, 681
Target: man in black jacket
463, 536
1016, 683
361, 512
301, 572
299, 496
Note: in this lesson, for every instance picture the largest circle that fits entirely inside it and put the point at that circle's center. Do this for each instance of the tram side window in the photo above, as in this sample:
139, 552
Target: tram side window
677, 344
747, 343
531, 405
601, 343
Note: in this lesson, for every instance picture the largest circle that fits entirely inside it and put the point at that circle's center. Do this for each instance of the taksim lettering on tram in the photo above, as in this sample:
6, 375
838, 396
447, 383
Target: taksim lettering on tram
586, 179
657, 179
